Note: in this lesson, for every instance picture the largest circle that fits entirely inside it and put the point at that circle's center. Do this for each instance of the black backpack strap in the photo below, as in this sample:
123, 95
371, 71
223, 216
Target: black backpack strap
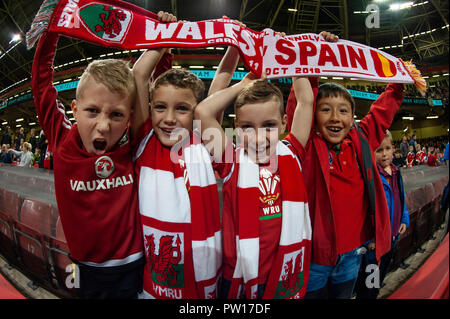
368, 172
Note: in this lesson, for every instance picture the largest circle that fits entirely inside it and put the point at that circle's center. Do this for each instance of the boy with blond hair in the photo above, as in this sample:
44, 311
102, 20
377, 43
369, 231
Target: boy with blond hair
93, 169
398, 215
346, 196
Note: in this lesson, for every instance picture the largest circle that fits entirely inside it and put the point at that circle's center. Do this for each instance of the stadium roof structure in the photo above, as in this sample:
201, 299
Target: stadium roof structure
416, 30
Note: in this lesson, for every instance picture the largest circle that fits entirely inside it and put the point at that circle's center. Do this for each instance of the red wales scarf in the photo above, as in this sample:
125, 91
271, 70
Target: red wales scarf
290, 270
180, 214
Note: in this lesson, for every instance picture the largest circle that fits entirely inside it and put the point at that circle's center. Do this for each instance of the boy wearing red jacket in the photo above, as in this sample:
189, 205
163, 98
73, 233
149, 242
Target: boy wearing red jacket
340, 176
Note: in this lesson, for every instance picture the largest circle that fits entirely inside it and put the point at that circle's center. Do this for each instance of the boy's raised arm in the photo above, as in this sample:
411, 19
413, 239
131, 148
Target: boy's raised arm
303, 115
50, 110
142, 71
208, 111
225, 70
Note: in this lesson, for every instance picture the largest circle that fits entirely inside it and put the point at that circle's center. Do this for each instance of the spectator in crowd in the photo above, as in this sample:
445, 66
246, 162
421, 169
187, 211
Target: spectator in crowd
404, 147
6, 137
19, 138
398, 159
410, 157
446, 155
413, 143
421, 155
42, 145
33, 140
395, 196
36, 156
5, 155
25, 154
432, 158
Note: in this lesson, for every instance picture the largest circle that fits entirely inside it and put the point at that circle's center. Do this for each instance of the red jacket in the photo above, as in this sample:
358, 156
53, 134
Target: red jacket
316, 176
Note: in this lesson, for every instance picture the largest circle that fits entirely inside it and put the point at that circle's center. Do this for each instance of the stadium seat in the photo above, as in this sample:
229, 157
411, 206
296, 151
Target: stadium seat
58, 253
424, 227
33, 226
405, 245
9, 207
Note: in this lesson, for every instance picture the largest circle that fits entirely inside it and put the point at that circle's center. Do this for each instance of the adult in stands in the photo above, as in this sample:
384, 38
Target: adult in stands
5, 155
6, 137
25, 154
42, 145
19, 137
404, 147
33, 140
413, 143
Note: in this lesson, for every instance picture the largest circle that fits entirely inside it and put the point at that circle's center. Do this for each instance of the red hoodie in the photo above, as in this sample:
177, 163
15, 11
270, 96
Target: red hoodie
316, 174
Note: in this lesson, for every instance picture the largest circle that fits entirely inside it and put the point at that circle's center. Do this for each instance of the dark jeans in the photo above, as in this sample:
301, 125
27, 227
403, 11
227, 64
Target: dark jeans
363, 291
121, 282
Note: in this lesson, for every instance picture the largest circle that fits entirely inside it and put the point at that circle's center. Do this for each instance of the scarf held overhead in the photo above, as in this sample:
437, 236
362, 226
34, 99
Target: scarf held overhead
118, 24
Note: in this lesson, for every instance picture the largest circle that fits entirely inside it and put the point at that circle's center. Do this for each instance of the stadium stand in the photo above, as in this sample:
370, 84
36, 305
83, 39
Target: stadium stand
7, 291
431, 281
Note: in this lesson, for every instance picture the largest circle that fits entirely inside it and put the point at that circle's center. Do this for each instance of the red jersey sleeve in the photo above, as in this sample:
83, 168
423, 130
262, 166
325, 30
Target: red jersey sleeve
164, 64
381, 114
50, 111
291, 103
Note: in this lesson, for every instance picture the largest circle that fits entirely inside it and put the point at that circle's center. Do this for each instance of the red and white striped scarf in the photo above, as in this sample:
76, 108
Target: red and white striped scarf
289, 272
180, 215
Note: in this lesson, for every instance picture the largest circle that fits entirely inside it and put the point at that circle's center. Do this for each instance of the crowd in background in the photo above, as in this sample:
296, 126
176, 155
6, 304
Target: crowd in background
410, 151
435, 91
25, 148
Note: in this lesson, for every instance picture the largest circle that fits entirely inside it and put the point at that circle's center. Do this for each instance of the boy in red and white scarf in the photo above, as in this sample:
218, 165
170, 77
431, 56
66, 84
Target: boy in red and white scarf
178, 196
266, 224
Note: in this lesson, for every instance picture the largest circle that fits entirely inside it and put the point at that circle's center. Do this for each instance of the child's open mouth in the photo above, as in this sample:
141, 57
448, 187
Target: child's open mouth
99, 145
334, 129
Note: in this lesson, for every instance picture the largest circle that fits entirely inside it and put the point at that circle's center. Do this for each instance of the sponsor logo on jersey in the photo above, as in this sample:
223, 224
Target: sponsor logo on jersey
104, 166
101, 184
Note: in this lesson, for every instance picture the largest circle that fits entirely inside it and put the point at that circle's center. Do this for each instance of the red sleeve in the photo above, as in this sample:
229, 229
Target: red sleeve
291, 104
381, 114
50, 111
226, 166
164, 64
297, 147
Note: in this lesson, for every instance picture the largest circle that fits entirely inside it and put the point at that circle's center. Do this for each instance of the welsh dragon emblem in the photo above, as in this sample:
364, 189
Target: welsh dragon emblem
291, 278
111, 23
168, 255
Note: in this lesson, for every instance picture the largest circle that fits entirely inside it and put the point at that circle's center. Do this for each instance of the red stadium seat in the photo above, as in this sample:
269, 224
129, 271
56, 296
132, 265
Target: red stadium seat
34, 225
9, 207
58, 252
405, 245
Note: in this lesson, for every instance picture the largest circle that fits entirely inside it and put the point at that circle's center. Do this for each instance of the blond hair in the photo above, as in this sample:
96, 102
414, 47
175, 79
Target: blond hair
260, 91
115, 74
388, 135
27, 146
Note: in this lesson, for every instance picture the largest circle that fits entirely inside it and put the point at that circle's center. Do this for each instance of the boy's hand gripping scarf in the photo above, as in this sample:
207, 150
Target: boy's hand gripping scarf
122, 25
290, 270
181, 226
